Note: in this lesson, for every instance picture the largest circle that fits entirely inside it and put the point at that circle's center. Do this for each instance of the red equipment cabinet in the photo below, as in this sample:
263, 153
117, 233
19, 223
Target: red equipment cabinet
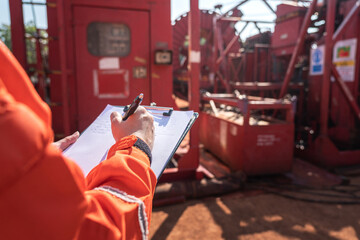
109, 55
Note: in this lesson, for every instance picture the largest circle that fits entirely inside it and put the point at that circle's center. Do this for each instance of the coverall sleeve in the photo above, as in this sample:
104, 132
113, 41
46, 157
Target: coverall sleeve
120, 193
44, 195
47, 196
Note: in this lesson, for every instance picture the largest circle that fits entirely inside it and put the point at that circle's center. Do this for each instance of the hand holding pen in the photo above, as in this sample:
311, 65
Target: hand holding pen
133, 106
136, 121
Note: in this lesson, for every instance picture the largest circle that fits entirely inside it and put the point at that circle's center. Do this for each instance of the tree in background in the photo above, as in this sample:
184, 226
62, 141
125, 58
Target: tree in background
5, 35
31, 35
34, 39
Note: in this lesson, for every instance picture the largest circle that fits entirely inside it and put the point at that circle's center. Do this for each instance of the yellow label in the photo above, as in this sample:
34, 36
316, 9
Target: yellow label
154, 75
344, 63
140, 60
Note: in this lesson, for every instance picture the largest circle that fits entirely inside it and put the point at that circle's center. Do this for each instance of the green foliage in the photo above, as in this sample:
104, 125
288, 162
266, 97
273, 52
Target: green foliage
31, 35
5, 35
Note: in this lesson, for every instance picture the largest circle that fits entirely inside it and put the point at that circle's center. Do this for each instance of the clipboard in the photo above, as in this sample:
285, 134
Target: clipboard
171, 128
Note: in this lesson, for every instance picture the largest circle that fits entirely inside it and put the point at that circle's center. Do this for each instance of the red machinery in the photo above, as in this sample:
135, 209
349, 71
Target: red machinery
328, 127
235, 139
333, 102
271, 65
211, 32
288, 61
106, 52
101, 52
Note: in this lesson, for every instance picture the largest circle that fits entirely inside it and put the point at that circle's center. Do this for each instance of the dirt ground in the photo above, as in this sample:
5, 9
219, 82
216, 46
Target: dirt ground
263, 216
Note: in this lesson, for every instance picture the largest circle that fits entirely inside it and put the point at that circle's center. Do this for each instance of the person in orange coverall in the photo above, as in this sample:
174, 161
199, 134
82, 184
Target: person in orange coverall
44, 195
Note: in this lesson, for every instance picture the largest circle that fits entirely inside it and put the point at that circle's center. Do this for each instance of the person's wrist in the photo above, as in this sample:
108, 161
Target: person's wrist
131, 141
143, 146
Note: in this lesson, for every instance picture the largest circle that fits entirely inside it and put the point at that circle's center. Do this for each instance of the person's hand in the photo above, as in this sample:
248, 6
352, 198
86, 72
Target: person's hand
62, 144
140, 124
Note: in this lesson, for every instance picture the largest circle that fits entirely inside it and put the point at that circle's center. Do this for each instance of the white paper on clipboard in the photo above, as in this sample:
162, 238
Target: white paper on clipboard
92, 146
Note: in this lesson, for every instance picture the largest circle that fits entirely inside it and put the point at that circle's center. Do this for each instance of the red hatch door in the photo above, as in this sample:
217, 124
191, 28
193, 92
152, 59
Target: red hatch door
112, 59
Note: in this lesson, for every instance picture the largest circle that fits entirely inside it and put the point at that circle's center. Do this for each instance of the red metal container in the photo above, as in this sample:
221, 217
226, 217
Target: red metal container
289, 19
254, 147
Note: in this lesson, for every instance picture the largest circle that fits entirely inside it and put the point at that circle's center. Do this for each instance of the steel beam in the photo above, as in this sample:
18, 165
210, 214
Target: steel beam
232, 9
18, 32
227, 49
345, 90
239, 19
325, 90
268, 5
349, 17
63, 67
298, 48
215, 51
191, 159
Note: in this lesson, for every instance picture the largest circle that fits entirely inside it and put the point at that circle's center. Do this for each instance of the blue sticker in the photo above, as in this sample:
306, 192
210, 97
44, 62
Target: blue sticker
317, 56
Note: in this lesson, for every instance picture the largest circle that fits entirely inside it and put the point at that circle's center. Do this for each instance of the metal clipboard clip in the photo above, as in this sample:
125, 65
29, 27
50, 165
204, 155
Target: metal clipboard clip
165, 111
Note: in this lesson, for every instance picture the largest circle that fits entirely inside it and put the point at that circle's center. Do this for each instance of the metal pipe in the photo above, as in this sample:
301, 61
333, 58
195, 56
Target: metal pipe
258, 28
40, 65
18, 32
325, 91
63, 67
227, 101
255, 70
227, 49
215, 52
241, 31
253, 105
345, 90
238, 5
298, 48
349, 17
213, 108
223, 81
191, 159
268, 5
239, 19
48, 4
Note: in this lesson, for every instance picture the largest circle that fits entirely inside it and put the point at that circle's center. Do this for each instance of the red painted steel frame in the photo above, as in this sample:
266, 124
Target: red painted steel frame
191, 160
18, 32
345, 90
325, 90
349, 17
218, 46
63, 68
298, 47
323, 149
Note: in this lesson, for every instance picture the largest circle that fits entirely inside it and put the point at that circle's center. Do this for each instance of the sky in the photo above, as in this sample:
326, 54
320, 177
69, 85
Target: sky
252, 10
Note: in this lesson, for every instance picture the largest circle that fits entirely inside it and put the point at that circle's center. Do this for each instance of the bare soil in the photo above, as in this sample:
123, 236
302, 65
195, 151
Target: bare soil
263, 216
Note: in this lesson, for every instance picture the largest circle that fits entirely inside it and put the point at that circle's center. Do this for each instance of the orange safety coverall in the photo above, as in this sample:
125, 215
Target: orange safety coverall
43, 195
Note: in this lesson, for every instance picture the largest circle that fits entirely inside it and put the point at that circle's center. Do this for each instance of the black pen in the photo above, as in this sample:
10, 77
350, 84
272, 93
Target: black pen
133, 106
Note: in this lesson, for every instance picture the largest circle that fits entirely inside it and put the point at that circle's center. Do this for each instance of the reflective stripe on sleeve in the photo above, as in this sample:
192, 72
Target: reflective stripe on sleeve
143, 223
